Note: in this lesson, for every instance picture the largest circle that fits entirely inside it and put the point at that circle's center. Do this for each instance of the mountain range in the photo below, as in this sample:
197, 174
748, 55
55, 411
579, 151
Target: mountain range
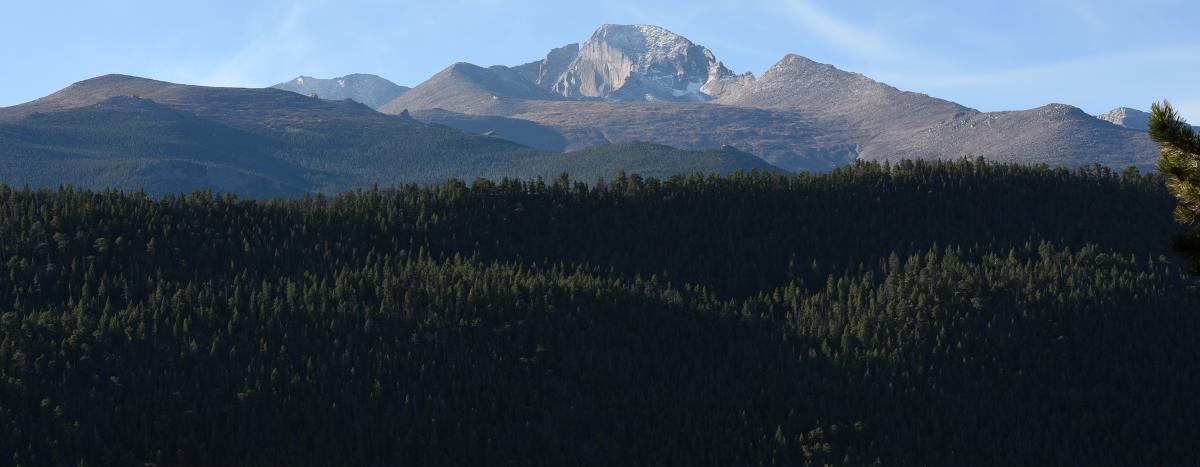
624, 99
645, 83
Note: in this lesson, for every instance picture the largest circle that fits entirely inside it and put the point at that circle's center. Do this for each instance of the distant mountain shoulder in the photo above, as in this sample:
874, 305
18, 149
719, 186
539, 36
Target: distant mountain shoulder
131, 143
127, 132
367, 89
468, 88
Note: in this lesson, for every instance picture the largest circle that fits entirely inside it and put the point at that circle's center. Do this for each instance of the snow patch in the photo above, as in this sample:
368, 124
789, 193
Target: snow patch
693, 89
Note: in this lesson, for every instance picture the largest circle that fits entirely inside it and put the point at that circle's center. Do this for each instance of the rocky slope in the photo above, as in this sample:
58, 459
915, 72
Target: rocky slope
367, 89
887, 123
788, 139
797, 83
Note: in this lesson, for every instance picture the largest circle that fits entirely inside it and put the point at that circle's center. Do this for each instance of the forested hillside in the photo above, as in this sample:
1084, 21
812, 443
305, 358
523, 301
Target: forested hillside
961, 313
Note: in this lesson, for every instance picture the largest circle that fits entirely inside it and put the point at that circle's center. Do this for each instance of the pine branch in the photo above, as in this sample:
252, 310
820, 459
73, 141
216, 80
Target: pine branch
1179, 159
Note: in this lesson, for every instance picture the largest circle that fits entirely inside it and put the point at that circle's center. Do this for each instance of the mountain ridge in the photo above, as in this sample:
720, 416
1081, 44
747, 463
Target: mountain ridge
367, 89
125, 132
855, 116
465, 87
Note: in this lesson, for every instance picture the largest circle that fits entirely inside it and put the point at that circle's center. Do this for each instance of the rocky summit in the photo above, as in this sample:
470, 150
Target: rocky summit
634, 63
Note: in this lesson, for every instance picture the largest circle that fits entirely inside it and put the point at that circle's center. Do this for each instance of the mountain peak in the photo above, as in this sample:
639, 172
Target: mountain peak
114, 78
367, 89
111, 81
793, 64
88, 92
795, 58
464, 87
642, 62
640, 37
1133, 119
1061, 110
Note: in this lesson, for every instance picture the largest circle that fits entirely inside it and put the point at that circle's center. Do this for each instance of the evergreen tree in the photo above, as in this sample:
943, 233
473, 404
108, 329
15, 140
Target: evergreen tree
1180, 162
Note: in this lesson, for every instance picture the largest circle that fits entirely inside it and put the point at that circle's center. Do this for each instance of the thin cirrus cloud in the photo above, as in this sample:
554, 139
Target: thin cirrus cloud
1133, 78
844, 34
1130, 76
1072, 68
285, 42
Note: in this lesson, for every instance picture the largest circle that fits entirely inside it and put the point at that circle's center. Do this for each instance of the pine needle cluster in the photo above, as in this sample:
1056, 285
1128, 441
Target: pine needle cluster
1179, 161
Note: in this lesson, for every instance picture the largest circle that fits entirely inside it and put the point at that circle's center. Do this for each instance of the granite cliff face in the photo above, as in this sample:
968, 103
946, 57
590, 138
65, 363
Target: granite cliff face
633, 63
546, 72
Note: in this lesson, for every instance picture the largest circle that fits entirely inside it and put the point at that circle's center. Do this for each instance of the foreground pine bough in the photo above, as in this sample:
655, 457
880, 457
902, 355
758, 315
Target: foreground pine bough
1179, 162
923, 314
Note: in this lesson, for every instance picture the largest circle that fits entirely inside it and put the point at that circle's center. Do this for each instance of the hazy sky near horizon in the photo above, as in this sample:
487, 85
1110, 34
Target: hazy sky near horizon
991, 55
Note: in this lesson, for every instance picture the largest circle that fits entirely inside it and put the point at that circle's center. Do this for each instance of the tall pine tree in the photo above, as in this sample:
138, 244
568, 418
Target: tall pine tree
1179, 161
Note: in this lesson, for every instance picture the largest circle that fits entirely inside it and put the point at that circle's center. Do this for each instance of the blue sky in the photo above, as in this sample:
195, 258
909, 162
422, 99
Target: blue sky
991, 55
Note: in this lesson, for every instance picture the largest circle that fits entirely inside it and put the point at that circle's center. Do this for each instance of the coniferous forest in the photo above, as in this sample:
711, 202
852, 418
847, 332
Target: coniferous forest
923, 313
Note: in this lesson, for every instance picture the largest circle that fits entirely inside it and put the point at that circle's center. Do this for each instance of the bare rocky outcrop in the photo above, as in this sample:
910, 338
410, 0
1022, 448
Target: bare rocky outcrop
636, 63
546, 72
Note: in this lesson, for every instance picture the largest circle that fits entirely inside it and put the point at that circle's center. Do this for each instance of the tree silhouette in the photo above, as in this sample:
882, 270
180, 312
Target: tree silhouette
1180, 162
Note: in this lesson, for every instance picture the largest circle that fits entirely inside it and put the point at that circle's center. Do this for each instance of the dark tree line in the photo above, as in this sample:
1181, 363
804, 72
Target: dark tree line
920, 314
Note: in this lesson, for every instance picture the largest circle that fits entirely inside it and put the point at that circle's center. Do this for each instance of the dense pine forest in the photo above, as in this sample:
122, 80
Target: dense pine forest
923, 313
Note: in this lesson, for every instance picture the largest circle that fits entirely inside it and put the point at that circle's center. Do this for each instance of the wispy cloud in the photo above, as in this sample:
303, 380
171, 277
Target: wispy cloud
1141, 61
1098, 83
283, 42
853, 39
1127, 77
